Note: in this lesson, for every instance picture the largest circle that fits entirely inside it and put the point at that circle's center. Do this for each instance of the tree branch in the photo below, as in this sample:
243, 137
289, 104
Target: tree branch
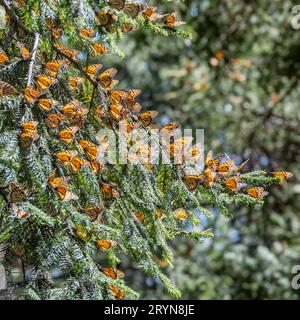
32, 59
14, 17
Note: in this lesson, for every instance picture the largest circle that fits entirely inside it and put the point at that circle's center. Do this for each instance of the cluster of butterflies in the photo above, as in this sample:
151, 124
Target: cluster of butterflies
225, 171
107, 18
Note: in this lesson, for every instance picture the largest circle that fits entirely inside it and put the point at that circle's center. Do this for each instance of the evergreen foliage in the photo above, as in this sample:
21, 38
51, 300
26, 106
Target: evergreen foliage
62, 212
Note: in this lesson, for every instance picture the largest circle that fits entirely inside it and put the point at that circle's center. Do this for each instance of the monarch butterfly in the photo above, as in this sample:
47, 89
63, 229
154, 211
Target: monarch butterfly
233, 183
64, 157
133, 9
24, 52
117, 111
105, 79
99, 49
116, 96
181, 214
54, 182
117, 4
72, 108
191, 181
209, 176
105, 244
106, 18
129, 99
90, 150
26, 139
6, 89
139, 217
147, 117
212, 162
93, 69
96, 166
52, 67
76, 164
55, 31
109, 192
119, 294
89, 33
67, 136
19, 213
93, 212
241, 166
74, 82
30, 127
81, 233
44, 82
3, 57
113, 273
257, 192
170, 20
127, 27
73, 54
16, 193
53, 120
150, 14
226, 168
46, 104
31, 94
282, 175
169, 128
64, 194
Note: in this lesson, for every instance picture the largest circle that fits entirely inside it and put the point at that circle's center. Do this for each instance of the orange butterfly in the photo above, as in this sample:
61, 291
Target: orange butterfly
96, 166
54, 182
31, 94
150, 14
106, 18
44, 82
55, 31
226, 168
133, 9
106, 244
73, 54
106, 80
93, 212
29, 127
81, 233
74, 109
93, 69
54, 120
16, 193
181, 214
170, 21
209, 176
26, 139
127, 27
67, 136
6, 89
24, 52
52, 67
147, 117
282, 175
234, 184
169, 128
129, 99
89, 33
99, 49
76, 164
109, 192
191, 181
116, 96
46, 104
212, 162
119, 294
3, 57
64, 157
113, 273
257, 192
64, 193
74, 82
90, 150
139, 217
117, 111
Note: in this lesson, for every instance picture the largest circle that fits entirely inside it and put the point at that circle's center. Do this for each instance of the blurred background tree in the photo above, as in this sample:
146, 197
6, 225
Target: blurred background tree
238, 78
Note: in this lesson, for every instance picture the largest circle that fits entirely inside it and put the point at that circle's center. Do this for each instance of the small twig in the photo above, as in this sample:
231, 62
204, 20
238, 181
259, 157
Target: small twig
32, 59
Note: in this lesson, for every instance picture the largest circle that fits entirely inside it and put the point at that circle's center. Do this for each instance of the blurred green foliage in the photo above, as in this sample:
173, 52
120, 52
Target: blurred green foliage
238, 78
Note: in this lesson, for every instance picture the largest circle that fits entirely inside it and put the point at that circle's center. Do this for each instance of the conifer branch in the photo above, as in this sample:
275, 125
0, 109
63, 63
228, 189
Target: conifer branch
32, 59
